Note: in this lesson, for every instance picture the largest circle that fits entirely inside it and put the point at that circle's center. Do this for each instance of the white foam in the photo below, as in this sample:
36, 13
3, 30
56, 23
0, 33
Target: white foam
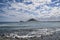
37, 33
15, 35
58, 29
42, 32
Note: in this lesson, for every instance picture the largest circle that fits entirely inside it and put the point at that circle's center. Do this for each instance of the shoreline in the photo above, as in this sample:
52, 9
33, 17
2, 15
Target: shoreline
30, 34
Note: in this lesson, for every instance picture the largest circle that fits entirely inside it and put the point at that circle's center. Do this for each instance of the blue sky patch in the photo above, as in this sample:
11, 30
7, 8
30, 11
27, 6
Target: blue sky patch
19, 1
27, 3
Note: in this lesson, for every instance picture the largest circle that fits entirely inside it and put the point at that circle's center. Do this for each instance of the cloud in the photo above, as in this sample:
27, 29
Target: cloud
26, 9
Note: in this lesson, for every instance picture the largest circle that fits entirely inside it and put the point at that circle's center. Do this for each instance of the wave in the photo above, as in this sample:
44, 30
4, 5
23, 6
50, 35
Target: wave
15, 35
12, 25
34, 33
28, 33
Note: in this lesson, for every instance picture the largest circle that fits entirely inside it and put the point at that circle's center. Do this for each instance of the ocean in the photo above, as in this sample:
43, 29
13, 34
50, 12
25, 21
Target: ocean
28, 25
29, 29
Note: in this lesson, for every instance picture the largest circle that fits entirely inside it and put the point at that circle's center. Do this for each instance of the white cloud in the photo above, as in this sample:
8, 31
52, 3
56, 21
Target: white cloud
22, 11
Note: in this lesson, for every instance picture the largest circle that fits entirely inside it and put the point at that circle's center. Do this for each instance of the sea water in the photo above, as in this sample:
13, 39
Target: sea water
28, 25
29, 29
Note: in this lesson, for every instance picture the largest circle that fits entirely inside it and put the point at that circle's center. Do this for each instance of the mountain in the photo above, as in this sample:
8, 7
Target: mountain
32, 19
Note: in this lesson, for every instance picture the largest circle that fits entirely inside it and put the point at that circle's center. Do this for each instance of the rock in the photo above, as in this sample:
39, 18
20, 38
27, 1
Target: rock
21, 21
2, 35
17, 38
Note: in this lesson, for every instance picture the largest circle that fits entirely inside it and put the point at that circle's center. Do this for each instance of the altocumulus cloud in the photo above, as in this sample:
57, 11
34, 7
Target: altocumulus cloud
16, 10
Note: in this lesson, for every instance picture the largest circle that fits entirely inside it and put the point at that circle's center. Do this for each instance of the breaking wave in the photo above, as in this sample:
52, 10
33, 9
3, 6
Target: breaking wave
34, 33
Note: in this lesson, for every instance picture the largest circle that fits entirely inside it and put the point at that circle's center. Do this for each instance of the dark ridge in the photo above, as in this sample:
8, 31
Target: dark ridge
21, 21
32, 19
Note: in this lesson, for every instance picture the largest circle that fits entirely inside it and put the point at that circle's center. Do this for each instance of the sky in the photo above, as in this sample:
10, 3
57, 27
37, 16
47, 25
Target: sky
17, 10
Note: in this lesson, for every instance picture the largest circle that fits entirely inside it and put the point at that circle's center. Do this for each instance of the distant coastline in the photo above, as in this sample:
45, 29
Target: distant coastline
26, 21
